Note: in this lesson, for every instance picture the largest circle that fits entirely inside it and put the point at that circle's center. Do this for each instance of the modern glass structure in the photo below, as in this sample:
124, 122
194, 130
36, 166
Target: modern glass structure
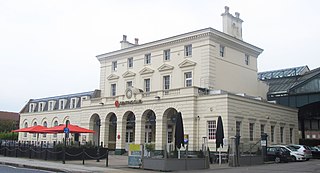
297, 87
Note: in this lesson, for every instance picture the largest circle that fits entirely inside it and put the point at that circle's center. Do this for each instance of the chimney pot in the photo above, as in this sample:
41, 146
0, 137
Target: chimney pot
237, 14
136, 41
124, 38
226, 9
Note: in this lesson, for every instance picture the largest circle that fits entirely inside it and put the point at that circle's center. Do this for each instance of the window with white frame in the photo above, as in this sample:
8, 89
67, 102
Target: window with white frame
73, 103
166, 55
114, 65
212, 127
25, 126
222, 51
61, 104
41, 105
188, 50
166, 82
291, 136
147, 85
51, 105
129, 84
55, 124
147, 58
272, 134
281, 134
238, 128
130, 62
83, 98
44, 125
251, 131
31, 107
188, 79
246, 59
113, 89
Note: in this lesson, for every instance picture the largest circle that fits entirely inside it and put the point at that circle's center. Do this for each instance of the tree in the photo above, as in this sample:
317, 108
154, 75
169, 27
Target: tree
7, 125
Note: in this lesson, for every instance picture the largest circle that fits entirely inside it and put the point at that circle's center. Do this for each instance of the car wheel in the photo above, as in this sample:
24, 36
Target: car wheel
293, 158
307, 159
277, 160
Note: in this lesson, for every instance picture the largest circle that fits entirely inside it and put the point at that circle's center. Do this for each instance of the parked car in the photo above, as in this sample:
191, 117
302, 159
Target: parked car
295, 155
315, 152
278, 154
301, 149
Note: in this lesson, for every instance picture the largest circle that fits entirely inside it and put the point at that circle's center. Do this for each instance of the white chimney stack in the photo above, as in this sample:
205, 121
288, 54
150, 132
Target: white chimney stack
232, 25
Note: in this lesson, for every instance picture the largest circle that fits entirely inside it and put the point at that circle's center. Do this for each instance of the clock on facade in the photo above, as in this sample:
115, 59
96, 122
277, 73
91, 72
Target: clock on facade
129, 93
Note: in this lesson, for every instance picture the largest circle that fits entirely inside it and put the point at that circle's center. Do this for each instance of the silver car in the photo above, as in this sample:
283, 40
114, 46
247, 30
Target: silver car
301, 149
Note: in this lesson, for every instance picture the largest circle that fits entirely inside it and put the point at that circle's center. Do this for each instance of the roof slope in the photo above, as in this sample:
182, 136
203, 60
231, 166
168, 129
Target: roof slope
9, 116
285, 84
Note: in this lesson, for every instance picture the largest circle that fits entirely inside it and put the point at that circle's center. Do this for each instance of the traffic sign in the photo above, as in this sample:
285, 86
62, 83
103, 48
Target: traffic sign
66, 130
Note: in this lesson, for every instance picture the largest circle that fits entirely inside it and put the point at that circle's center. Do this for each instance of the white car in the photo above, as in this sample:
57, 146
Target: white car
295, 155
302, 150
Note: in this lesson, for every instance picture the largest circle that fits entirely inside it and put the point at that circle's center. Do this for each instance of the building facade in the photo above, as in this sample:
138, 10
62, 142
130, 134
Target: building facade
202, 74
298, 87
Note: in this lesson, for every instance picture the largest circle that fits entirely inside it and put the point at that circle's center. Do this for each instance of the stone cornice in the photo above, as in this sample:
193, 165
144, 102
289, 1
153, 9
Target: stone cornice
207, 32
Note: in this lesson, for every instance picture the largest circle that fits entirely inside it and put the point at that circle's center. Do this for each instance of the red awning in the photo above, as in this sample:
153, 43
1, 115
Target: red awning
72, 129
33, 129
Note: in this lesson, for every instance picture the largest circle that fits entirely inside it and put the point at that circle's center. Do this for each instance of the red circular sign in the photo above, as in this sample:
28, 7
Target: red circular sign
118, 136
116, 103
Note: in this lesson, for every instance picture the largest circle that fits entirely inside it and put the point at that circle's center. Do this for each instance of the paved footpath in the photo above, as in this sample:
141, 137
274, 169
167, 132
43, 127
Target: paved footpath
118, 164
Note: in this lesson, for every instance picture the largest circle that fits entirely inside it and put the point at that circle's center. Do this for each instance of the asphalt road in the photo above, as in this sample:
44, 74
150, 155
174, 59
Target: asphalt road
12, 169
311, 166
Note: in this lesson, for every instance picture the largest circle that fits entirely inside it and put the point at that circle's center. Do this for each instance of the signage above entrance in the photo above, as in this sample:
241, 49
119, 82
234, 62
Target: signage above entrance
117, 103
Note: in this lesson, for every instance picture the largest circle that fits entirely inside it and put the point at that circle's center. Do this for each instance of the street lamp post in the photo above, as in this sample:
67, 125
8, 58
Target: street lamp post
98, 123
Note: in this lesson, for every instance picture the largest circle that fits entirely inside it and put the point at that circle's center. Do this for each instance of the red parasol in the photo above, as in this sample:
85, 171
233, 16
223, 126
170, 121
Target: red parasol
33, 129
72, 129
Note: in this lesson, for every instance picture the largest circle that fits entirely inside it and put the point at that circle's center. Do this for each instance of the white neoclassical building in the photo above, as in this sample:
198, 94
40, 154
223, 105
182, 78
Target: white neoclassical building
203, 74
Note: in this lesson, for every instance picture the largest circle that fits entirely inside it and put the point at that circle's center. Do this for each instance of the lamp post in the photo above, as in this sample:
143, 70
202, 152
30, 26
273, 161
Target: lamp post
98, 123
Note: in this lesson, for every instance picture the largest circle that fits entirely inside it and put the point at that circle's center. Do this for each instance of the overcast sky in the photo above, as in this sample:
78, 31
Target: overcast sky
48, 47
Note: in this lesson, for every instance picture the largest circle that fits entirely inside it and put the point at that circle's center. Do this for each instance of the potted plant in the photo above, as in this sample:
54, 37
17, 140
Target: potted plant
150, 148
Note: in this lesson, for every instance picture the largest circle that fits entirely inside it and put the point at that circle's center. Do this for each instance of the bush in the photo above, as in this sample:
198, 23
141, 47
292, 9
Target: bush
150, 147
8, 136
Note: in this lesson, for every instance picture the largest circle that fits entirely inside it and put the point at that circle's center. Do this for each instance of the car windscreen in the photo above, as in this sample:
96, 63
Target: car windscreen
293, 148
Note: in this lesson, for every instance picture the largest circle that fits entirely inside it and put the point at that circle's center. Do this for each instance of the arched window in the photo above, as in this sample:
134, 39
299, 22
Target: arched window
25, 126
34, 124
45, 125
55, 124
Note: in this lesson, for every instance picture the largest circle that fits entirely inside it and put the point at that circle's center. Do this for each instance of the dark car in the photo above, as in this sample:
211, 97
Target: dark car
278, 154
315, 152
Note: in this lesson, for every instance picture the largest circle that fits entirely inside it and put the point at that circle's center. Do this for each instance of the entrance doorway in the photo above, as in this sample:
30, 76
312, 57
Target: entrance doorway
171, 121
130, 129
112, 132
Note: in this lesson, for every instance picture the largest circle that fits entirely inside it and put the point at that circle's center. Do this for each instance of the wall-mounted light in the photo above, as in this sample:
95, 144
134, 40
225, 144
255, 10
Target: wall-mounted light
157, 97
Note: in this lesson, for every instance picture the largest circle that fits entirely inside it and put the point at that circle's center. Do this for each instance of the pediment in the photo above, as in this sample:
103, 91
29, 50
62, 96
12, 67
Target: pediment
128, 74
146, 70
112, 77
165, 67
187, 63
